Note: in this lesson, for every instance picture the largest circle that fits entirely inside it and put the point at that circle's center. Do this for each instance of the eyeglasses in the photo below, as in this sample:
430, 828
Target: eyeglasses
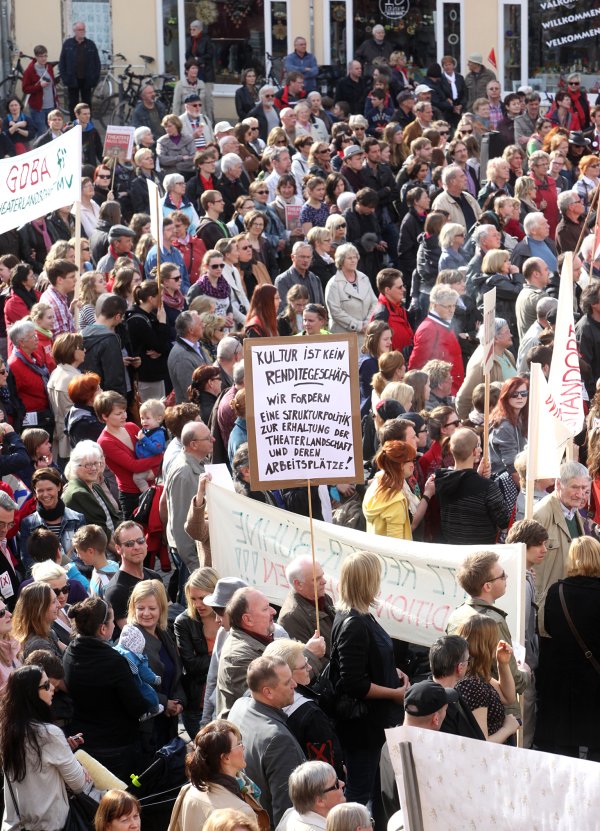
262, 191
574, 83
467, 132
468, 661
503, 576
443, 132
6, 526
45, 686
3, 371
90, 465
244, 247
3, 612
268, 95
64, 590
131, 543
195, 106
216, 266
521, 394
452, 423
334, 787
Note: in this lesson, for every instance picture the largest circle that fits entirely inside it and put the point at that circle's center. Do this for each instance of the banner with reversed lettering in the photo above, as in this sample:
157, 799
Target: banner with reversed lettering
256, 542
43, 180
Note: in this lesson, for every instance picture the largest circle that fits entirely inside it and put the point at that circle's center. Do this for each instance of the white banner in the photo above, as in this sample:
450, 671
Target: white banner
489, 329
547, 435
40, 181
565, 374
256, 542
466, 783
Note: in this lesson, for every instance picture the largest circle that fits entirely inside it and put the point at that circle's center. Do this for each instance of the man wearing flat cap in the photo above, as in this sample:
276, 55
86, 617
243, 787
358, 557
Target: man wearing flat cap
120, 244
477, 78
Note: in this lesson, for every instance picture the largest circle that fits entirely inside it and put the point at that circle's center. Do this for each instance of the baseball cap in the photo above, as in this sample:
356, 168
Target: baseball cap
192, 98
222, 127
427, 697
421, 88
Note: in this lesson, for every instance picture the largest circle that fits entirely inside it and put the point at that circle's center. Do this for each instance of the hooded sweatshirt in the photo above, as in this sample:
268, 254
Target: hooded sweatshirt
472, 508
386, 513
103, 355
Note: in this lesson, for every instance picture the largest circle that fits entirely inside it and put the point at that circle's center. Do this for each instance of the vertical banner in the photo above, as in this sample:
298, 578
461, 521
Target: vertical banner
565, 374
489, 329
156, 217
303, 410
40, 181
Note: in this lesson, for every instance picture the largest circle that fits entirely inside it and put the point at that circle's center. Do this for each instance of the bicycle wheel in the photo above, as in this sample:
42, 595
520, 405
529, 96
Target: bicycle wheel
121, 114
105, 109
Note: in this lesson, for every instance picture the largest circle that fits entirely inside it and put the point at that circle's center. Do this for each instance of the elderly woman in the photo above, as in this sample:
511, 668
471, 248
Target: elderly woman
176, 200
81, 421
84, 494
498, 177
23, 295
34, 614
434, 337
526, 192
348, 295
69, 354
50, 512
176, 149
55, 576
31, 375
106, 698
145, 172
214, 767
349, 816
452, 239
147, 610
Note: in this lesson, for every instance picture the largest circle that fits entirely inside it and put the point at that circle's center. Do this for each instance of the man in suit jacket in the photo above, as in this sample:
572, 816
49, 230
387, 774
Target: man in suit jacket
559, 514
186, 354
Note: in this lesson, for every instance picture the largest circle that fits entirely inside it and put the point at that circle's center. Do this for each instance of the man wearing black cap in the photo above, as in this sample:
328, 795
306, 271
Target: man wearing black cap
120, 244
194, 122
404, 114
426, 703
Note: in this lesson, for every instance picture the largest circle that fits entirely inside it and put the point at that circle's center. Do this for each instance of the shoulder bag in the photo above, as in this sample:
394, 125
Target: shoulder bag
588, 654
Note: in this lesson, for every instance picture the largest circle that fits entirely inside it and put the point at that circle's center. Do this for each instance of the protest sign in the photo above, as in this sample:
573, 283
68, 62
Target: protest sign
418, 591
303, 410
489, 329
40, 181
292, 217
156, 215
462, 782
117, 140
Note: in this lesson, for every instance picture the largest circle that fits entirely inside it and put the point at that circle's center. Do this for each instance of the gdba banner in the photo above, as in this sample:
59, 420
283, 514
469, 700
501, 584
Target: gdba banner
256, 542
43, 180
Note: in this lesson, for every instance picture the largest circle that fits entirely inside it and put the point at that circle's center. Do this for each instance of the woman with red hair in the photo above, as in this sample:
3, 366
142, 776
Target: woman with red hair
82, 422
261, 320
508, 425
385, 505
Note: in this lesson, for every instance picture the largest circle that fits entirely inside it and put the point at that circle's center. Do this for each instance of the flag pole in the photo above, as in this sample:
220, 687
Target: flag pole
158, 241
314, 562
77, 290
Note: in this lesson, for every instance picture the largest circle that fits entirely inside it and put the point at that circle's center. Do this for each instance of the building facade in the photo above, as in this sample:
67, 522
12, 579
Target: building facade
534, 42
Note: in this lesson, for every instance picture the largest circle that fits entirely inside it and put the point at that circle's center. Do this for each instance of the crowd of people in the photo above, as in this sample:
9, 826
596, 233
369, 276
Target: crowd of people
371, 214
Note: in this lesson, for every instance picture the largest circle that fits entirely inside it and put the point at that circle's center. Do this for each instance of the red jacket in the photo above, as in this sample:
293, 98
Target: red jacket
193, 253
546, 191
33, 88
30, 386
123, 461
397, 320
433, 340
16, 309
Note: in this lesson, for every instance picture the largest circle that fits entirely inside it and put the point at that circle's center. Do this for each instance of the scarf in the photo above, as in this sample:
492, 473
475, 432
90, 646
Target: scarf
42, 371
51, 514
46, 332
42, 229
228, 782
176, 301
266, 639
28, 297
220, 291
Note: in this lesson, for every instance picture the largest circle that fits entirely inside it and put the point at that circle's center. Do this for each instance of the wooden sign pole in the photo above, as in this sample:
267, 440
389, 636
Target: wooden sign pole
158, 241
486, 421
314, 562
77, 292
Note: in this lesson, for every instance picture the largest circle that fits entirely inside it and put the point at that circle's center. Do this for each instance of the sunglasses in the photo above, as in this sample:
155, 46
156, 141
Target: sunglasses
131, 543
574, 84
85, 249
467, 132
262, 191
45, 686
103, 176
222, 329
3, 612
215, 266
443, 132
64, 590
522, 394
177, 278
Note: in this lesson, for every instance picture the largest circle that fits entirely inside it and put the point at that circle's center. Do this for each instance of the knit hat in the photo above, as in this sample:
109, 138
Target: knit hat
418, 420
132, 639
389, 409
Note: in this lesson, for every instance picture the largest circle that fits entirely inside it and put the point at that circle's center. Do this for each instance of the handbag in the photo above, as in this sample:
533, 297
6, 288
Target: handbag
588, 654
337, 705
142, 513
82, 810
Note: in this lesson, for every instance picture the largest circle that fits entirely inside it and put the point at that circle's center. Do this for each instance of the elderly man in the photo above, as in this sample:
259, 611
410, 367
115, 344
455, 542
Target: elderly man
10, 579
299, 272
440, 384
289, 119
298, 616
194, 122
265, 111
169, 253
120, 244
229, 352
536, 274
180, 488
232, 183
484, 580
525, 124
535, 243
282, 163
477, 79
531, 338
492, 92
559, 514
79, 66
423, 112
352, 88
271, 752
314, 790
486, 238
302, 61
455, 199
374, 50
569, 228
149, 112
186, 354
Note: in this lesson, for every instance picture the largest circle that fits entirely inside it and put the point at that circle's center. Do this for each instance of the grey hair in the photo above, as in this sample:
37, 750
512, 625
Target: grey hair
531, 220
86, 449
566, 199
20, 330
344, 201
482, 231
451, 172
313, 94
184, 323
300, 244
278, 152
499, 324
223, 142
442, 293
544, 306
342, 252
357, 121
295, 569
239, 373
538, 156
573, 470
241, 457
227, 348
264, 90
307, 782
450, 230
198, 24
230, 160
172, 179
6, 503
348, 815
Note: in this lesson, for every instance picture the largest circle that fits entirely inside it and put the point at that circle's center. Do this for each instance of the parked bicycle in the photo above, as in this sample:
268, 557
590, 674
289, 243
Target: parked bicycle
9, 85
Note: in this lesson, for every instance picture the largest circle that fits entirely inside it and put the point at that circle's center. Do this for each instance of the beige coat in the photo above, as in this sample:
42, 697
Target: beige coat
444, 202
350, 308
474, 376
193, 807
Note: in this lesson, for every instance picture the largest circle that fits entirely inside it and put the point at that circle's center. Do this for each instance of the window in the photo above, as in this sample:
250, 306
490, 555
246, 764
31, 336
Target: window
451, 35
409, 27
98, 26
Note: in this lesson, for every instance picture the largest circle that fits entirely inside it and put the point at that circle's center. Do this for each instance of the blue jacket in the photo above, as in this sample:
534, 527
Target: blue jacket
451, 258
168, 255
153, 443
307, 65
71, 521
68, 63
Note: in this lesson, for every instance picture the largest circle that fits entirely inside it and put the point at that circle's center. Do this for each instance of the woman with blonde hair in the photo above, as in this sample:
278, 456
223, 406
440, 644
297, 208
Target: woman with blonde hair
93, 284
195, 633
400, 392
226, 819
369, 688
392, 367
452, 239
55, 576
319, 160
35, 612
42, 317
349, 816
385, 505
9, 646
336, 223
484, 695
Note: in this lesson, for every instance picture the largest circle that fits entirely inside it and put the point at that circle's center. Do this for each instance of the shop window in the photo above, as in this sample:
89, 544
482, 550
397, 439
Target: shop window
409, 26
338, 33
564, 39
452, 23
512, 48
96, 14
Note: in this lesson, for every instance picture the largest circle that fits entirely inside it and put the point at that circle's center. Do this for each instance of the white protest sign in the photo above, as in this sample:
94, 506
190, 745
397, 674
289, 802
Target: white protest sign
462, 783
119, 140
256, 542
547, 434
40, 181
156, 214
489, 329
303, 410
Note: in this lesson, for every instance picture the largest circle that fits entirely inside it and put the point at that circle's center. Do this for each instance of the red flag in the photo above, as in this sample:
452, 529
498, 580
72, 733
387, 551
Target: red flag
492, 58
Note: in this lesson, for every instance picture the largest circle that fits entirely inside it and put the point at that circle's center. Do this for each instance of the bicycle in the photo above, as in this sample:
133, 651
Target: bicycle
130, 85
274, 77
8, 85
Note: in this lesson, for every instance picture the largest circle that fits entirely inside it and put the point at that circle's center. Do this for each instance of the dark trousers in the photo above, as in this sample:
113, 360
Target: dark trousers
128, 503
362, 767
183, 574
82, 92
